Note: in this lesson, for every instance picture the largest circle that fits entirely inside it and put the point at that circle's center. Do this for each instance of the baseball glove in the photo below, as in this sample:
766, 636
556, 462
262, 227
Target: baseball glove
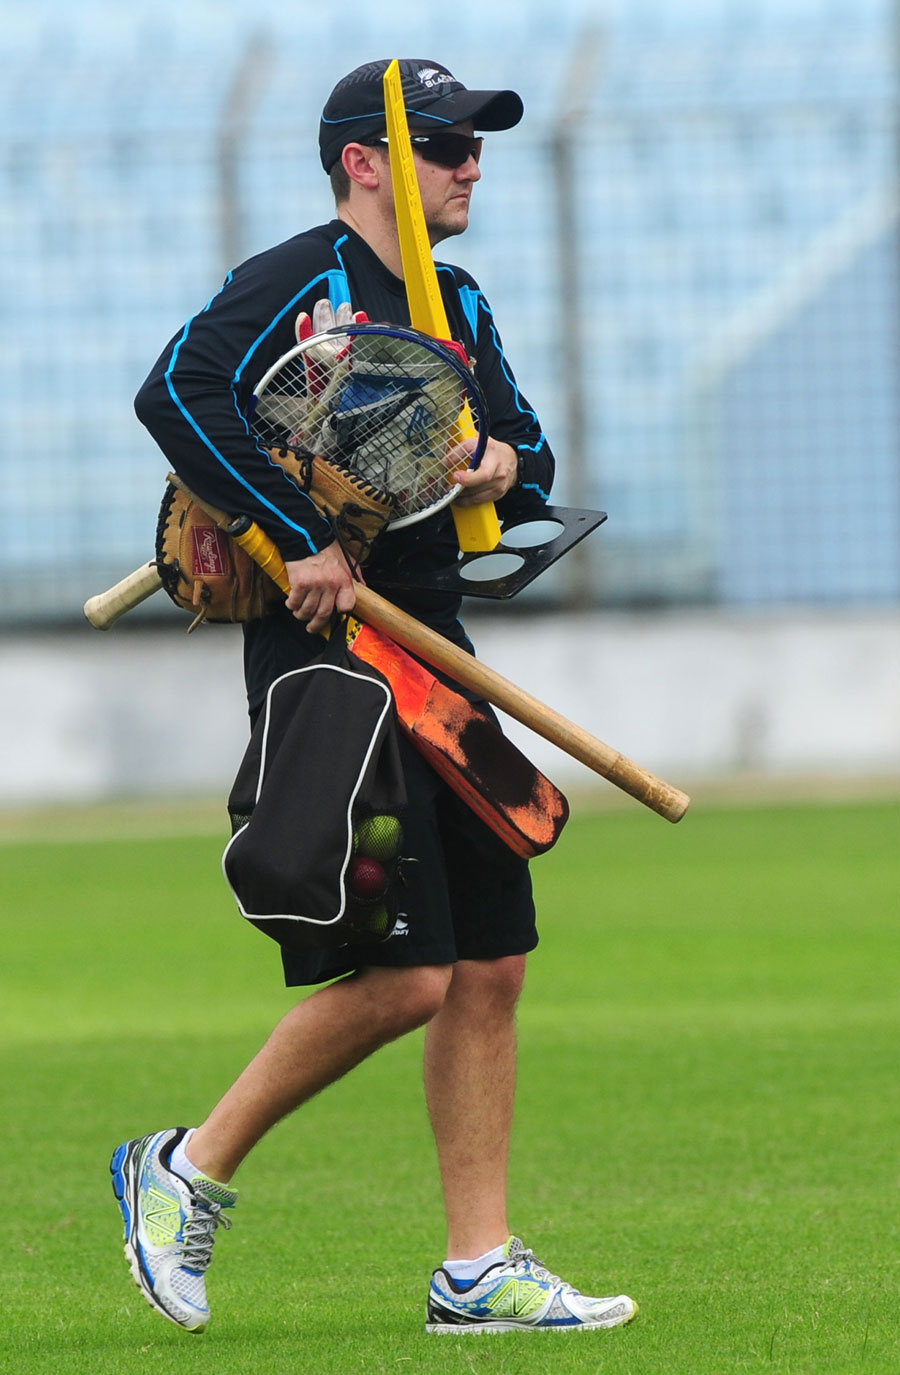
202, 568
206, 573
356, 509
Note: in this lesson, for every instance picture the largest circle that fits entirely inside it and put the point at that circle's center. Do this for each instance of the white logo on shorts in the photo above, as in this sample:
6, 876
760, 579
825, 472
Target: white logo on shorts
401, 929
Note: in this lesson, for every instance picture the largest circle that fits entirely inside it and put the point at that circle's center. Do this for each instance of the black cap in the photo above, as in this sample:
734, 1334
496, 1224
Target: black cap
432, 96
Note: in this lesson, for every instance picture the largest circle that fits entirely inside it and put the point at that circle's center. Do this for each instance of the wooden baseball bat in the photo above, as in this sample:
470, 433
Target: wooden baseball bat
471, 673
105, 609
382, 615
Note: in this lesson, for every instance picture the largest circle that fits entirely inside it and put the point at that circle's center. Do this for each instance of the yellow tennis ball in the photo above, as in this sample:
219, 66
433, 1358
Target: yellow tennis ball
378, 923
379, 836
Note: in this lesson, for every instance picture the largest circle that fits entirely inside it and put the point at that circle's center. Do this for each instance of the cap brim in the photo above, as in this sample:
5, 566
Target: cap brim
489, 110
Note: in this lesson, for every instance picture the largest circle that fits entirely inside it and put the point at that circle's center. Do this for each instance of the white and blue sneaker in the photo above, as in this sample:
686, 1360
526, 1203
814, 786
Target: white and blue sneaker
519, 1294
170, 1226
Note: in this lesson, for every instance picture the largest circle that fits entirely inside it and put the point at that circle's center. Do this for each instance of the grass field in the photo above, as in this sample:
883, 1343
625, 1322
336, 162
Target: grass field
709, 1110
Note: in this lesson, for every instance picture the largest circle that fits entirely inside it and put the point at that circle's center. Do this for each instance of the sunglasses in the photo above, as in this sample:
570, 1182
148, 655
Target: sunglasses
447, 150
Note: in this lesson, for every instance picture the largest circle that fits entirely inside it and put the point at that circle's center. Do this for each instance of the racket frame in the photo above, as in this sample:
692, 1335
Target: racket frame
449, 352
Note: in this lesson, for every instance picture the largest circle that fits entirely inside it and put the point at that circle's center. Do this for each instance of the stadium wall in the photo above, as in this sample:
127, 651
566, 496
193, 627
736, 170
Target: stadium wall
697, 695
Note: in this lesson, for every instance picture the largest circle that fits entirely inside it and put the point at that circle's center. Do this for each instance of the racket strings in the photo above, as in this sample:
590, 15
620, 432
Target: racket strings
384, 407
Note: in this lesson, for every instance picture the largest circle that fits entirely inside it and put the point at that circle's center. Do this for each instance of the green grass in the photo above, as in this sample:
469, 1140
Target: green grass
709, 1109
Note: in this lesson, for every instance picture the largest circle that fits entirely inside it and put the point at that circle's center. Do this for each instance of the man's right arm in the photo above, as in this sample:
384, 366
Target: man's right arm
195, 399
320, 584
194, 402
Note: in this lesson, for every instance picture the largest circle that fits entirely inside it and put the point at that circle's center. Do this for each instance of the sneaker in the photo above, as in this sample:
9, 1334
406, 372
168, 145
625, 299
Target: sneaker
519, 1294
170, 1224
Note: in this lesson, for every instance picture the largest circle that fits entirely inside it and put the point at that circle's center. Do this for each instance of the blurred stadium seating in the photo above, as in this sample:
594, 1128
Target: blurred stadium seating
734, 222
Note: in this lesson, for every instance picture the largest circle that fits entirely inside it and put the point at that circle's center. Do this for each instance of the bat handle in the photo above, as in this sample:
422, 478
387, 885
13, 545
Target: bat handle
261, 549
105, 608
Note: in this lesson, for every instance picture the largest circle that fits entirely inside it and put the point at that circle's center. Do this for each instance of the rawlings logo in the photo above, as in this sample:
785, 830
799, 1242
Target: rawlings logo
430, 76
210, 552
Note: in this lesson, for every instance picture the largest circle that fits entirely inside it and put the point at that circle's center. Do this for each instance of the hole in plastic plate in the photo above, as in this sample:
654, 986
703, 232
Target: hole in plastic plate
532, 532
491, 566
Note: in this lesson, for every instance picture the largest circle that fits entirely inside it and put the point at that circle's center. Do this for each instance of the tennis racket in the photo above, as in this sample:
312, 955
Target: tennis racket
388, 403
384, 402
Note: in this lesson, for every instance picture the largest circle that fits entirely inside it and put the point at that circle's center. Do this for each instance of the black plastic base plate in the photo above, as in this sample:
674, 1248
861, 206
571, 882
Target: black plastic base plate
527, 547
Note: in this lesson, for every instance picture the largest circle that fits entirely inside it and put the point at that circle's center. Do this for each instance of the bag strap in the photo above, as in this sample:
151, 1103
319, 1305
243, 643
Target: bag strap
336, 643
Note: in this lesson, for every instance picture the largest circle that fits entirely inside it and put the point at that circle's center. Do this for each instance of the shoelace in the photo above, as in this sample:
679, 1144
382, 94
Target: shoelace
199, 1233
528, 1260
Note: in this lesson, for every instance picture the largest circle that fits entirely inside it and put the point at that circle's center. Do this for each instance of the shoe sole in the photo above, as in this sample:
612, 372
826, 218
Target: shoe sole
125, 1188
442, 1329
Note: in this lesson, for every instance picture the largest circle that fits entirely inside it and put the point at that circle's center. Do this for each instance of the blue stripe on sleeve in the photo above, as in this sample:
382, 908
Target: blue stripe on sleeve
468, 299
338, 285
322, 277
198, 430
472, 301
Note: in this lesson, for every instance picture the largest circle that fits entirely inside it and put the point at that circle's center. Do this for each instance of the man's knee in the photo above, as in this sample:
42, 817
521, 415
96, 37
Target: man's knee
405, 999
494, 984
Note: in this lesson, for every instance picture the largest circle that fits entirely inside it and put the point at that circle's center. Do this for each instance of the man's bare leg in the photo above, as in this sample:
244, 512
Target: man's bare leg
470, 1081
317, 1042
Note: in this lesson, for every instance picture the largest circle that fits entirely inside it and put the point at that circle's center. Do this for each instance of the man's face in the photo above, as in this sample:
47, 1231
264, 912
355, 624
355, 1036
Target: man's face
445, 191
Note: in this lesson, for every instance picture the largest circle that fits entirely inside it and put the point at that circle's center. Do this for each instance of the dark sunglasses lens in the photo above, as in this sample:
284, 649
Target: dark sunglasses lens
447, 150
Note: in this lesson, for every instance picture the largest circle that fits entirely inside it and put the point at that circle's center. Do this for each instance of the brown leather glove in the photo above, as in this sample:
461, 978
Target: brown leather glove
202, 568
205, 572
356, 510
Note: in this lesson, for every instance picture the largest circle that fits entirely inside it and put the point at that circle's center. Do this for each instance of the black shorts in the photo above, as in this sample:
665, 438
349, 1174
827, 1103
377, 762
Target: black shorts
466, 896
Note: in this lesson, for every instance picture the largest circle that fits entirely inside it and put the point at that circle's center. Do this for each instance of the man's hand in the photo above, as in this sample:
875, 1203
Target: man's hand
319, 584
495, 475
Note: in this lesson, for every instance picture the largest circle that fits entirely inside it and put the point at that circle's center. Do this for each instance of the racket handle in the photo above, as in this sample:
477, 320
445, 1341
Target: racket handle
105, 609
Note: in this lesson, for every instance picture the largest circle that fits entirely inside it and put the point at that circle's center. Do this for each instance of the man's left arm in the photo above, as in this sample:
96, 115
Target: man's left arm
518, 463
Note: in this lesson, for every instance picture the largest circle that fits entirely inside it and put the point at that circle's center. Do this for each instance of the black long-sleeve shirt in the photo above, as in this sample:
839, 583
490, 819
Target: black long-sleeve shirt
195, 400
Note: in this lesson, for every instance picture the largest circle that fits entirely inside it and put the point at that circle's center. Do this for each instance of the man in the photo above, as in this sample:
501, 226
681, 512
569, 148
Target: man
460, 963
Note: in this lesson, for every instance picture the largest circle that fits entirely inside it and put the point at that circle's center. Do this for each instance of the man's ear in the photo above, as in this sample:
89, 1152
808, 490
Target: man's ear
362, 165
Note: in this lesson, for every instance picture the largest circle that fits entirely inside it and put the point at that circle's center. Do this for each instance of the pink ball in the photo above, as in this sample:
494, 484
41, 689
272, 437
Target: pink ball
368, 879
